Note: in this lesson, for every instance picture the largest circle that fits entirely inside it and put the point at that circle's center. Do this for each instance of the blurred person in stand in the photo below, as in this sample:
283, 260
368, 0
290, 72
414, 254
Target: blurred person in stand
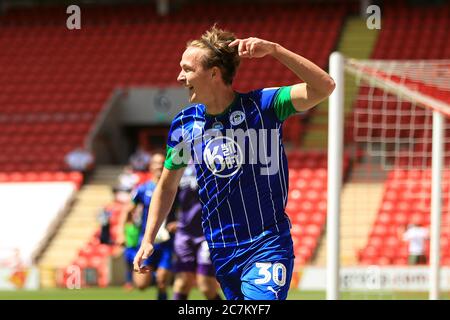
140, 160
127, 180
416, 235
80, 159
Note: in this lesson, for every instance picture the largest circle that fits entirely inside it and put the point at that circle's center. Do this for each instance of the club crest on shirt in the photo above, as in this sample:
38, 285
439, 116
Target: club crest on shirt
237, 117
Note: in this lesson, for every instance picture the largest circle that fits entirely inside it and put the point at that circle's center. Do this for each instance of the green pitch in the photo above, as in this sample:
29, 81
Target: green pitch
117, 293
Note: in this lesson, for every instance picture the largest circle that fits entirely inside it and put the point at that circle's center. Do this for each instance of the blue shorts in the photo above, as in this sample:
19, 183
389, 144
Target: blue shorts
161, 257
261, 270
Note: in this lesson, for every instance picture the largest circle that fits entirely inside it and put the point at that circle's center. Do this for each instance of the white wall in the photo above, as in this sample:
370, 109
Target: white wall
145, 106
27, 210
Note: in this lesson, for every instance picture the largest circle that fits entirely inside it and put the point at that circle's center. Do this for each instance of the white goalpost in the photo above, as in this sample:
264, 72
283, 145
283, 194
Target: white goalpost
335, 156
401, 108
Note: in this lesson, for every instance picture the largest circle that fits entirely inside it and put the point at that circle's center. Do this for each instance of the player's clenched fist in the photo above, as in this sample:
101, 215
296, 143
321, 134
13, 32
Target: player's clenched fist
253, 47
144, 252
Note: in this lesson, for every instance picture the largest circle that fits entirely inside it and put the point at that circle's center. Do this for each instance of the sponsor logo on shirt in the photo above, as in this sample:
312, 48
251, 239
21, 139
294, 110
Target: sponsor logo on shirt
217, 125
223, 156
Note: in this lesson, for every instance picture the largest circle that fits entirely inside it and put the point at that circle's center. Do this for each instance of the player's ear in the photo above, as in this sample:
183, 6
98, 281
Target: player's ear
215, 72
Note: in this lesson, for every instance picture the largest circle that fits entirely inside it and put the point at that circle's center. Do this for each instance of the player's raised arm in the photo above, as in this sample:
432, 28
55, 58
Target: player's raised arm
162, 201
317, 86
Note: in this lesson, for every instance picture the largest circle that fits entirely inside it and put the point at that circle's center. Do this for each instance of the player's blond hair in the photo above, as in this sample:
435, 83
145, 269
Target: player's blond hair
219, 54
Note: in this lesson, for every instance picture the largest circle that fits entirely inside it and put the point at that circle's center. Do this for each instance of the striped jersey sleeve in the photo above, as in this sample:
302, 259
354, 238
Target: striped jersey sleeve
177, 155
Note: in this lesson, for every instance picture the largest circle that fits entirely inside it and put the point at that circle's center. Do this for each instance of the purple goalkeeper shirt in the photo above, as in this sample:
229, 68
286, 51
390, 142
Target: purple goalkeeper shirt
190, 208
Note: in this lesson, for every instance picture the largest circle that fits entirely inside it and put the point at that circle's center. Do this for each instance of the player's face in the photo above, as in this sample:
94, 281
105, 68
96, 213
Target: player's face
156, 166
194, 76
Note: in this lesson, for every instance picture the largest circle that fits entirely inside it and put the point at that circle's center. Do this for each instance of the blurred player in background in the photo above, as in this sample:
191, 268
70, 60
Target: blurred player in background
193, 263
244, 219
161, 261
127, 180
131, 231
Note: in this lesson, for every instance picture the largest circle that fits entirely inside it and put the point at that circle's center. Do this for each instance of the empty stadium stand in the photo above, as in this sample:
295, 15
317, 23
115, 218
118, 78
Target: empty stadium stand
94, 255
405, 25
406, 198
79, 226
56, 81
307, 201
398, 40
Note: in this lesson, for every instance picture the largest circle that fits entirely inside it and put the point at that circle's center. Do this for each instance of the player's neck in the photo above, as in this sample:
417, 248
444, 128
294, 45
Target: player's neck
220, 101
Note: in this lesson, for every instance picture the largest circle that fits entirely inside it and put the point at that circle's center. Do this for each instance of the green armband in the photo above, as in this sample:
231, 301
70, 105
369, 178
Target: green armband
282, 103
174, 159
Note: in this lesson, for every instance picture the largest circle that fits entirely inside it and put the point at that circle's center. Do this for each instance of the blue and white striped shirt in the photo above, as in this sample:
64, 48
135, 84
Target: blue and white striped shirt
241, 166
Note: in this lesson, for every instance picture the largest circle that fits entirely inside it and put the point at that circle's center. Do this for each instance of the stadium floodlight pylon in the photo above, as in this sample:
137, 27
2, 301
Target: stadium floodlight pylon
400, 114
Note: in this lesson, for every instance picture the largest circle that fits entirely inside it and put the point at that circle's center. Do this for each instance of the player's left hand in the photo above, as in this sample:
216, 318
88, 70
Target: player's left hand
253, 47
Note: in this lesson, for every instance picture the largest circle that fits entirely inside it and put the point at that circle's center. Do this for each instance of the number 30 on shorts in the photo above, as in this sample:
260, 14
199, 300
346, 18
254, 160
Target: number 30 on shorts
278, 273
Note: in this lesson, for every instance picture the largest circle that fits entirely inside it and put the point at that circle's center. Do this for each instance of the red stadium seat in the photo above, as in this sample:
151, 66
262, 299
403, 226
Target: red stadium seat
406, 200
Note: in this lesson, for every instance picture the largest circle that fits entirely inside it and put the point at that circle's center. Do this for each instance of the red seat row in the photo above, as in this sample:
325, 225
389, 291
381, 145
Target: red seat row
63, 77
400, 206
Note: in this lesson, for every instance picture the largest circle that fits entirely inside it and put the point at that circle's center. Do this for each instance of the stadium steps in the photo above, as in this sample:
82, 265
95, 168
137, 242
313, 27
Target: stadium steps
359, 207
80, 224
357, 41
